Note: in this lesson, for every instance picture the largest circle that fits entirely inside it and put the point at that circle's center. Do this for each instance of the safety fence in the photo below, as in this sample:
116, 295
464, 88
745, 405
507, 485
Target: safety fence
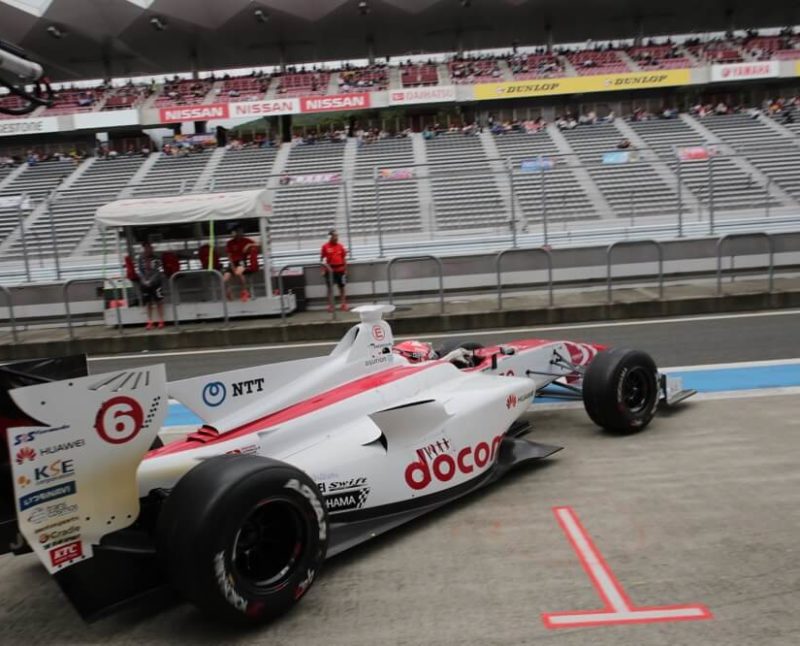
537, 259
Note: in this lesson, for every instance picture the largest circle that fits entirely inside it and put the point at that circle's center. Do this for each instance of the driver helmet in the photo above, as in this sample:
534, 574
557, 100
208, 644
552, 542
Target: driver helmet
415, 351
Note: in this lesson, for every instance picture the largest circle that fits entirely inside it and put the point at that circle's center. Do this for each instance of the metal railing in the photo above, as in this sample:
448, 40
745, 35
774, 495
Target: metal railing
329, 283
173, 290
10, 300
497, 262
616, 245
68, 312
439, 265
733, 236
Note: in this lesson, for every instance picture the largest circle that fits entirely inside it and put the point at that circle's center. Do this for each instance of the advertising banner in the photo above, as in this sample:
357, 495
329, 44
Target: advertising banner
106, 119
178, 114
315, 178
696, 153
535, 165
745, 71
582, 84
435, 94
335, 102
396, 173
620, 157
267, 108
12, 127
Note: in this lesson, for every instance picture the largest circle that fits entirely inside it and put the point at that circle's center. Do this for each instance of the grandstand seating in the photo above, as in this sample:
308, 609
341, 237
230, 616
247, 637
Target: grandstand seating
465, 192
659, 57
399, 199
172, 174
308, 208
72, 101
74, 207
183, 92
242, 170
375, 77
769, 151
10, 102
242, 88
414, 75
733, 188
587, 63
631, 189
565, 198
482, 70
535, 66
302, 83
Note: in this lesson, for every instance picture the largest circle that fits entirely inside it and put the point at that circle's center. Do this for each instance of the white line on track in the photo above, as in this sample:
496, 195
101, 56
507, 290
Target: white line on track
577, 326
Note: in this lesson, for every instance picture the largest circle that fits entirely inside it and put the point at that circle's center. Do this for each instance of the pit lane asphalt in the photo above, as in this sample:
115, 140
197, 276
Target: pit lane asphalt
700, 508
678, 341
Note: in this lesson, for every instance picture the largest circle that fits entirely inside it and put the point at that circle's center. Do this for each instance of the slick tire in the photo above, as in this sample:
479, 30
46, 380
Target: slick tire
620, 390
243, 537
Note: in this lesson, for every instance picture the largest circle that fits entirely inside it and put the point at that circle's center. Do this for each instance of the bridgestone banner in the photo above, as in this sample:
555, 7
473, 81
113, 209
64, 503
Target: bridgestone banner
13, 127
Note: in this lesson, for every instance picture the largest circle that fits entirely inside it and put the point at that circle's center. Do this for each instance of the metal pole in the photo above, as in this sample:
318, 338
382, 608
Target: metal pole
378, 211
21, 219
633, 208
54, 238
766, 196
544, 206
265, 251
347, 220
121, 263
513, 207
680, 200
11, 316
711, 193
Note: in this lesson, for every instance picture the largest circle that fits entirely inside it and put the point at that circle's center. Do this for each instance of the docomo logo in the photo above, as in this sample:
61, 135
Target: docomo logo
264, 108
119, 420
444, 466
194, 113
353, 101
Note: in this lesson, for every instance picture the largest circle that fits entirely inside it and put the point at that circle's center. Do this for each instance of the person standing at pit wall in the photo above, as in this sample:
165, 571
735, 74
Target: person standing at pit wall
148, 267
334, 254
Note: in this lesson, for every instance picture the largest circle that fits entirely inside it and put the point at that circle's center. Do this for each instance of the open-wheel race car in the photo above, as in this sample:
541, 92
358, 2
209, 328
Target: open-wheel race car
294, 462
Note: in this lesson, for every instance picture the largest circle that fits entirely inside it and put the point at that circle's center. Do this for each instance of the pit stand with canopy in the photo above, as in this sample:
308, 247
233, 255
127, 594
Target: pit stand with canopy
197, 208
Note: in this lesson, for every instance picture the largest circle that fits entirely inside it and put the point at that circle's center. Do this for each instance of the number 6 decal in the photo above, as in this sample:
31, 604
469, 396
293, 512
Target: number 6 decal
119, 419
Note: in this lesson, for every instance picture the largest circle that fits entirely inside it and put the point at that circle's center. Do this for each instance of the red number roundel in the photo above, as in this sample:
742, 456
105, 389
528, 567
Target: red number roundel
119, 420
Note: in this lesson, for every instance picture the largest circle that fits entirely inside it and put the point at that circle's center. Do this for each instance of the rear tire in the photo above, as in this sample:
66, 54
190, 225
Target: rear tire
620, 390
243, 537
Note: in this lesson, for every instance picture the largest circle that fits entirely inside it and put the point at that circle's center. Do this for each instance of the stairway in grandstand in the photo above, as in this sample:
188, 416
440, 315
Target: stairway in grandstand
171, 175
564, 196
308, 210
769, 150
75, 206
465, 193
631, 189
733, 188
37, 182
399, 198
242, 170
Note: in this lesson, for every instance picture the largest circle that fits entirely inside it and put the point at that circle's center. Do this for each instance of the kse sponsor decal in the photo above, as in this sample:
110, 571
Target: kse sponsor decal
54, 471
419, 474
65, 553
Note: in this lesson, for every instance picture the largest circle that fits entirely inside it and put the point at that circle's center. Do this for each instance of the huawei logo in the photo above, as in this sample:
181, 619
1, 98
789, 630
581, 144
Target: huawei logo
26, 454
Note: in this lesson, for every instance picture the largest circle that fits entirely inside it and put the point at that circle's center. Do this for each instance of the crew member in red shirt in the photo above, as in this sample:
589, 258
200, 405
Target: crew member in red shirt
334, 255
237, 249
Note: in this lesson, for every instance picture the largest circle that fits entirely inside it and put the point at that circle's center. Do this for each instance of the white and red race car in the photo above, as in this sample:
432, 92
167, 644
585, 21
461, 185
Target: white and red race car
295, 461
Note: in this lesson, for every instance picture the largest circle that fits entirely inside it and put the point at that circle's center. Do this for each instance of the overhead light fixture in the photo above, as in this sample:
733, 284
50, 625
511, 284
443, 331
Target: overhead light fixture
158, 23
261, 16
56, 32
363, 7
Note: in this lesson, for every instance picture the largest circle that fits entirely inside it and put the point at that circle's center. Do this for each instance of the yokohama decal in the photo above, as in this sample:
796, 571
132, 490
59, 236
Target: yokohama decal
352, 101
617, 606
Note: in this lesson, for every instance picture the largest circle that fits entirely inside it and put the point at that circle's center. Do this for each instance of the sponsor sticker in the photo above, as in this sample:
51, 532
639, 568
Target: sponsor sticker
66, 553
32, 436
193, 113
25, 454
214, 393
352, 101
378, 333
45, 512
419, 474
248, 387
45, 495
119, 419
347, 500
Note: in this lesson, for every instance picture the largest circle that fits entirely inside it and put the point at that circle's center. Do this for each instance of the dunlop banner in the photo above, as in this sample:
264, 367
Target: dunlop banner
583, 84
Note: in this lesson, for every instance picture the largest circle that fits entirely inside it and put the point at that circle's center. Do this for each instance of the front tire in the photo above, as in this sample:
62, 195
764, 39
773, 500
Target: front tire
243, 537
620, 390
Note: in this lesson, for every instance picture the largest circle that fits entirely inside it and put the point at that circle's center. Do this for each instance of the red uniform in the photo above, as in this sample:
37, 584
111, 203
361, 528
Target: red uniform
334, 254
235, 249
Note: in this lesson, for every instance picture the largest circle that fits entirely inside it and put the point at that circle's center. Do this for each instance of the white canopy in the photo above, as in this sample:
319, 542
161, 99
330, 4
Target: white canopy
193, 207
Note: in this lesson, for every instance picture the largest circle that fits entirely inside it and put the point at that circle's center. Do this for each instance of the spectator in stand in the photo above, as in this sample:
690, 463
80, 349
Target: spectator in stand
148, 268
334, 254
237, 249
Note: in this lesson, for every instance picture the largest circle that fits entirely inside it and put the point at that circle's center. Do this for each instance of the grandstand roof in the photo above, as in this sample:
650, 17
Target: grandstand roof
97, 38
